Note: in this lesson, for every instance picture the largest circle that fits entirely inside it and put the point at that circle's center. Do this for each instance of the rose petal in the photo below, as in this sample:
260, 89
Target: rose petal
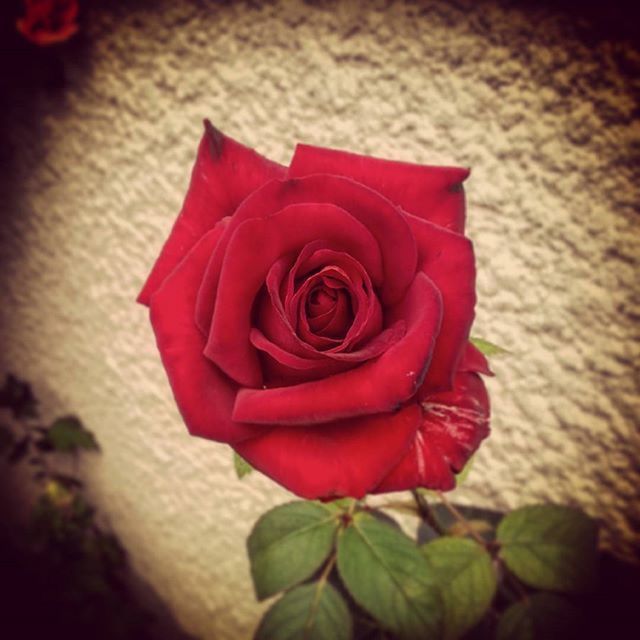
474, 360
203, 394
346, 458
368, 313
321, 305
380, 216
276, 322
292, 360
376, 386
453, 425
341, 318
273, 320
295, 369
338, 319
432, 193
254, 247
279, 375
448, 259
225, 172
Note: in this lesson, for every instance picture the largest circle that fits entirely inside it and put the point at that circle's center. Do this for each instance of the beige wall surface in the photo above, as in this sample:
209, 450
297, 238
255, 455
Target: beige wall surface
543, 112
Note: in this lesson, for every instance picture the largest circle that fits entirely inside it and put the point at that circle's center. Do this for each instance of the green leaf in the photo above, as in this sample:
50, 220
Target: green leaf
289, 543
68, 434
314, 611
487, 348
467, 582
550, 547
242, 467
388, 576
543, 616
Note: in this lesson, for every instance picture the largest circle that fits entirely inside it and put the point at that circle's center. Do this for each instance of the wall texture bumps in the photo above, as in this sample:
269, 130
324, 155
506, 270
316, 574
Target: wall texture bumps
546, 116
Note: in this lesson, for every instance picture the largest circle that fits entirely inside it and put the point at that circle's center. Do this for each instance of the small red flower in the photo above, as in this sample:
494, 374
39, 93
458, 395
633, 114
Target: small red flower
48, 21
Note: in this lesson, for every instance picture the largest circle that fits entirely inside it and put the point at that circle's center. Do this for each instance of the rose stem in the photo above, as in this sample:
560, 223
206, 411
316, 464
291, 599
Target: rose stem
426, 513
461, 519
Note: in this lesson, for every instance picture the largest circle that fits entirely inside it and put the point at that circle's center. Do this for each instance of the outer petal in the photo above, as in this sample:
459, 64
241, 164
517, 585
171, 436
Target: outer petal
224, 174
432, 193
453, 425
447, 258
377, 386
346, 458
204, 395
254, 247
474, 360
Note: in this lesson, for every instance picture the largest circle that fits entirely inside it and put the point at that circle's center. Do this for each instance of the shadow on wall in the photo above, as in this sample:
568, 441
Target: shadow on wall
37, 602
63, 573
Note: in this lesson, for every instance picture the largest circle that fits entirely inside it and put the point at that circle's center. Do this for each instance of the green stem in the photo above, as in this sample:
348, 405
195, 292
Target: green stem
461, 519
426, 513
322, 580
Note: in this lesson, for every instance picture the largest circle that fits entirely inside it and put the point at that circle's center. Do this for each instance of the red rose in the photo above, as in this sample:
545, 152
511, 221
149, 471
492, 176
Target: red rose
317, 318
48, 21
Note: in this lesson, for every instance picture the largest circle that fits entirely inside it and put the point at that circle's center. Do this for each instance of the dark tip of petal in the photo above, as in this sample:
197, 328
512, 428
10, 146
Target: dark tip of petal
458, 178
215, 140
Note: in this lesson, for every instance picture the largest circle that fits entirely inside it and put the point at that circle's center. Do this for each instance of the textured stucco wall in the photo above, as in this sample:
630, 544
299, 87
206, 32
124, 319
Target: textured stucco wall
543, 115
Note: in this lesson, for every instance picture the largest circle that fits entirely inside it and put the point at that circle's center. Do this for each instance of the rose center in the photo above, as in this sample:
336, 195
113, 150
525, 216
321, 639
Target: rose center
321, 300
328, 310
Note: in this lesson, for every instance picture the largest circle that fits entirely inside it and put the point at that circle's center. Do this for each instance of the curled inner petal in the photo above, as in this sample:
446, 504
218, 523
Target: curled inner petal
337, 315
280, 312
255, 245
322, 309
394, 268
379, 385
320, 302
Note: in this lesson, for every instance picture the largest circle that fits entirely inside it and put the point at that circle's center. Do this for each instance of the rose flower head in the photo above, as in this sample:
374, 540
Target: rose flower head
316, 317
48, 21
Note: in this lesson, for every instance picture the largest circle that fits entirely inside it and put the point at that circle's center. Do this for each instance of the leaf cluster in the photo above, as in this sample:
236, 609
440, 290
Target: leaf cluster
349, 571
30, 438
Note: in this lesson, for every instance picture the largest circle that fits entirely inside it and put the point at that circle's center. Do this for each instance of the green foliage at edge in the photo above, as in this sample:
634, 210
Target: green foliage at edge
550, 547
487, 348
314, 611
466, 579
68, 434
242, 467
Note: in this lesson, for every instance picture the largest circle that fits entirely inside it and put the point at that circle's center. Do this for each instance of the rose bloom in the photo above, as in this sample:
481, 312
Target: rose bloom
316, 317
48, 21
